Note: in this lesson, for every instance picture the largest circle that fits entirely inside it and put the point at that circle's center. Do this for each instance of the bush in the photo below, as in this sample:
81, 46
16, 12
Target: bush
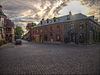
2, 42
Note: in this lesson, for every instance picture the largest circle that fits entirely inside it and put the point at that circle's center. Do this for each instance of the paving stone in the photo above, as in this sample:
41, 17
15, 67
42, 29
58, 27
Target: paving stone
63, 59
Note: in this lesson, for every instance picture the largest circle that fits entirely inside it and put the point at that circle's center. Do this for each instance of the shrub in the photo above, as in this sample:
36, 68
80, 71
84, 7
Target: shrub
2, 42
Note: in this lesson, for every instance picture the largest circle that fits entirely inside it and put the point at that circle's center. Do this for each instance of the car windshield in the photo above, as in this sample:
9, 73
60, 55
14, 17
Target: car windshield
18, 40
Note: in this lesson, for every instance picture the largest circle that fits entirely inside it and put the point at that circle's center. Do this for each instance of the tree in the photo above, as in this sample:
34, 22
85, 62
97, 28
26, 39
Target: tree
30, 25
18, 32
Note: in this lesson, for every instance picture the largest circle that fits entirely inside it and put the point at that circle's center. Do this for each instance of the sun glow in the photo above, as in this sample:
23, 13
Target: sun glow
75, 7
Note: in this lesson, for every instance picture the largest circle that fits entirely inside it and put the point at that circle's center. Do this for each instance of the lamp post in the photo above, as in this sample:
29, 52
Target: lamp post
86, 35
30, 32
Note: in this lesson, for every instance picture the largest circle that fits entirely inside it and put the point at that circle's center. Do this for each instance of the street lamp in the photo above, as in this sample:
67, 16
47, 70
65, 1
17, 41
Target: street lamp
30, 27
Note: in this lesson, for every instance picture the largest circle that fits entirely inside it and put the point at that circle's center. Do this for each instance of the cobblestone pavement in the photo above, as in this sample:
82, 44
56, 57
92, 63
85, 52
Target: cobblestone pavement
62, 59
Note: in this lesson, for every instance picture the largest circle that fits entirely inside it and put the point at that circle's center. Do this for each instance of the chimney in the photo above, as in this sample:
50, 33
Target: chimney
0, 9
70, 13
54, 19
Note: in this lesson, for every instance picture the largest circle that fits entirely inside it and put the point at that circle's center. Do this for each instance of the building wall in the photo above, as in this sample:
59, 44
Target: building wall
2, 34
73, 30
96, 31
81, 28
6, 27
50, 33
78, 31
9, 30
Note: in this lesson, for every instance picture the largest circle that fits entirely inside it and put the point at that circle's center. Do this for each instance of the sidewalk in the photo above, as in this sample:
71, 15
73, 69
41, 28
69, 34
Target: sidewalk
7, 45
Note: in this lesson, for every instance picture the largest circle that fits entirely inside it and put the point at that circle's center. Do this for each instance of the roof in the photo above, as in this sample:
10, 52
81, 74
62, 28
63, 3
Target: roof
2, 14
61, 19
66, 18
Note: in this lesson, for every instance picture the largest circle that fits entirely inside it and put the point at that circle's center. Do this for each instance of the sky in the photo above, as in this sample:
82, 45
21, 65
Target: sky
22, 12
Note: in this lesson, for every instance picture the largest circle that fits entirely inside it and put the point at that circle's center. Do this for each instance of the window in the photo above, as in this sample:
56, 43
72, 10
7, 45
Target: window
47, 20
0, 31
68, 17
81, 25
72, 26
33, 32
45, 37
51, 28
41, 30
50, 21
58, 28
95, 27
51, 34
58, 37
81, 36
37, 30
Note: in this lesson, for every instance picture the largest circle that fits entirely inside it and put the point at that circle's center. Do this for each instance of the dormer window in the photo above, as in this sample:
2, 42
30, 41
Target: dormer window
47, 20
50, 21
42, 21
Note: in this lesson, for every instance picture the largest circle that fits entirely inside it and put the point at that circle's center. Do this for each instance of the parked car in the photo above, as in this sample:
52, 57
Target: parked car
18, 41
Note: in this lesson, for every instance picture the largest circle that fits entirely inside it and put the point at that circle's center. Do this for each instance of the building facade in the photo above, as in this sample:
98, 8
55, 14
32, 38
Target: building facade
9, 30
2, 23
76, 28
6, 27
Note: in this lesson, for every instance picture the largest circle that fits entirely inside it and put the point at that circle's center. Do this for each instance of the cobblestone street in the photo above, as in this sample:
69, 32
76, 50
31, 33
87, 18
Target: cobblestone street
31, 59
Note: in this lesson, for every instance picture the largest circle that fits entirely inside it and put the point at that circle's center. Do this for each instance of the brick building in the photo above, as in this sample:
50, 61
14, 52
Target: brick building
76, 28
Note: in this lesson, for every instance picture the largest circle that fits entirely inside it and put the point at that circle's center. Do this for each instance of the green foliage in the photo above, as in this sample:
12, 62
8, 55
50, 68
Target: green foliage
30, 24
2, 42
18, 32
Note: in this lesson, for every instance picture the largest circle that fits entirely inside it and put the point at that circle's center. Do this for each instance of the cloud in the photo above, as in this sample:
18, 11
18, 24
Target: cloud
23, 11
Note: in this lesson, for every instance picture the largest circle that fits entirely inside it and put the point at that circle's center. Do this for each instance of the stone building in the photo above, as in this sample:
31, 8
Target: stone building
76, 28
